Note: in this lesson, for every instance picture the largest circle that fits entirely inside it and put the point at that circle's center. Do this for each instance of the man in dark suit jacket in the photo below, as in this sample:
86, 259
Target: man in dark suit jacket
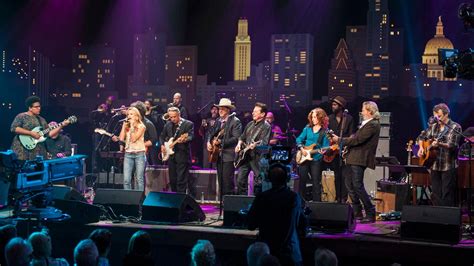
342, 124
225, 134
180, 161
362, 147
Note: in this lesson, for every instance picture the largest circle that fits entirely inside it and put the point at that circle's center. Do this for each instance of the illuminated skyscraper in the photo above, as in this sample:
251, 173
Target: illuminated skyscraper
149, 58
181, 71
376, 76
291, 70
342, 75
242, 51
38, 78
430, 56
93, 71
356, 40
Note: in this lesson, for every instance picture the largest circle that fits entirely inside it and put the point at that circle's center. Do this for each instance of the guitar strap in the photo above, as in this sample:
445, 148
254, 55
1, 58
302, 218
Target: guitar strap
320, 138
177, 129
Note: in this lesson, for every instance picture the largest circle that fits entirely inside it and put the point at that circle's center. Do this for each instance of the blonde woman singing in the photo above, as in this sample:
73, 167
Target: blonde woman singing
133, 131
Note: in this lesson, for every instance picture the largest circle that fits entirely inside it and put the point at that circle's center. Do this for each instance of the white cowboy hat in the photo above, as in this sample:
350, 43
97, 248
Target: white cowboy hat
225, 102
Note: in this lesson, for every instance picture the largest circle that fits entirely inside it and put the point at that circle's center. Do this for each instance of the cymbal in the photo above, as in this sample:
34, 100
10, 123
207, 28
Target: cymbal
295, 131
280, 137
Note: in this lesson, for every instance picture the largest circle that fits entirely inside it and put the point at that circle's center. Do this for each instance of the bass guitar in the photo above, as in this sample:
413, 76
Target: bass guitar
216, 147
169, 145
243, 154
29, 143
301, 158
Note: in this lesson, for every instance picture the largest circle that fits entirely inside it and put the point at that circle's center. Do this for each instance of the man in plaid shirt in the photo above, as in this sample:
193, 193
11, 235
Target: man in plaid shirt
445, 133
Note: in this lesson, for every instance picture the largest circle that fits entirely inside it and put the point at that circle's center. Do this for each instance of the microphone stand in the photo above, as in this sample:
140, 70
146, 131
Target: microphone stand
343, 120
206, 105
221, 155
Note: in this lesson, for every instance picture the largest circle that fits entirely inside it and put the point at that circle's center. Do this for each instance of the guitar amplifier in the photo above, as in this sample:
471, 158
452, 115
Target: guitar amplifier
391, 196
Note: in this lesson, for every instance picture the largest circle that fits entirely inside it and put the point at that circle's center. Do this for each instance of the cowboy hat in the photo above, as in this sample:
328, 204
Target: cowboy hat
225, 102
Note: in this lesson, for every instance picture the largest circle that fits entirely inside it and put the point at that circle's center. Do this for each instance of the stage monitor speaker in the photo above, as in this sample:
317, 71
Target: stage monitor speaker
331, 217
436, 224
71, 201
171, 208
122, 201
67, 193
235, 210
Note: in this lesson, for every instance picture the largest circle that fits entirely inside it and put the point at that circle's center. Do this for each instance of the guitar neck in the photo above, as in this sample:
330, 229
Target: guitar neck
46, 131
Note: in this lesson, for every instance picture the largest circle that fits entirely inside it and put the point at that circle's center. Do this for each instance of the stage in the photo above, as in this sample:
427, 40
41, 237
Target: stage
369, 244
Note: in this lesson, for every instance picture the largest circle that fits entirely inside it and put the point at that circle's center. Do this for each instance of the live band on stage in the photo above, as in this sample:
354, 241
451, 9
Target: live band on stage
142, 136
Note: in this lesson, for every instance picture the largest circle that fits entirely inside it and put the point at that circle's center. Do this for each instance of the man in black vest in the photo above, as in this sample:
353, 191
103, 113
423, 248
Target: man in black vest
362, 147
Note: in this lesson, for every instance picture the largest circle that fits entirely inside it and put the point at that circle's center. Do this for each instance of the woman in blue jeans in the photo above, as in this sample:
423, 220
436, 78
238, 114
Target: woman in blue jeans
132, 134
313, 133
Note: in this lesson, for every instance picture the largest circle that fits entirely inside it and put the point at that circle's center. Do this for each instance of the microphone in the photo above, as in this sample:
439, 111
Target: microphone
123, 120
432, 120
233, 113
346, 111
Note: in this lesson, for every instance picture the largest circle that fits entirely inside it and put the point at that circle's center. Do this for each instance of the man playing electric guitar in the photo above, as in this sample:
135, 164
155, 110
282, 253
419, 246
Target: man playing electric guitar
342, 123
180, 162
443, 171
256, 130
24, 123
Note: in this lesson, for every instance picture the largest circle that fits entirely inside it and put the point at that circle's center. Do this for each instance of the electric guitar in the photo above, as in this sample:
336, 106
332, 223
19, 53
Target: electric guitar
169, 145
300, 158
29, 143
330, 154
430, 153
216, 148
103, 132
243, 154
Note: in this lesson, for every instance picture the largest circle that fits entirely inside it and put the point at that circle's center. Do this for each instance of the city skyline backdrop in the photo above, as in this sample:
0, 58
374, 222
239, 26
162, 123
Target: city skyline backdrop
55, 28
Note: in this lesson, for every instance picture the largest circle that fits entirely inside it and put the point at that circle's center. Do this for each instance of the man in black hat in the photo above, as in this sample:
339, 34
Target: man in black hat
342, 123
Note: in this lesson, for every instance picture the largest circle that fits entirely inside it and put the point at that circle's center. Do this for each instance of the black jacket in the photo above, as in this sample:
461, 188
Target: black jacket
182, 150
363, 145
232, 132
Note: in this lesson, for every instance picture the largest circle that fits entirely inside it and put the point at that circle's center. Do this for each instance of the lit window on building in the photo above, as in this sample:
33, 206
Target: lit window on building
350, 85
368, 74
134, 94
287, 82
79, 80
384, 88
368, 54
376, 75
76, 95
342, 81
376, 68
276, 77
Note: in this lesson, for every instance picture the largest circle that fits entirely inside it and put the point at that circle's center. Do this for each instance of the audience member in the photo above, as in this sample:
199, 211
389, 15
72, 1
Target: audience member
42, 250
7, 232
103, 240
324, 257
278, 213
86, 253
268, 260
255, 252
139, 250
18, 252
203, 254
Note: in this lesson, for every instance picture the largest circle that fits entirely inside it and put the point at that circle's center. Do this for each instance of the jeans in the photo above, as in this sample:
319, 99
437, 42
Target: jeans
357, 192
242, 177
443, 184
312, 168
130, 161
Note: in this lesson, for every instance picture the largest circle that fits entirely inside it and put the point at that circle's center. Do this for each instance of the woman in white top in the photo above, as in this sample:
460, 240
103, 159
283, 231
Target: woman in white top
132, 134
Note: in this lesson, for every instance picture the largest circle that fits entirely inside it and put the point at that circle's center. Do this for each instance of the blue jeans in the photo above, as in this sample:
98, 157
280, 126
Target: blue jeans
130, 161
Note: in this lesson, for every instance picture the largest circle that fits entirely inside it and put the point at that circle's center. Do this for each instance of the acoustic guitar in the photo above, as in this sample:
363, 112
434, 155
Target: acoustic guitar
430, 153
243, 154
216, 148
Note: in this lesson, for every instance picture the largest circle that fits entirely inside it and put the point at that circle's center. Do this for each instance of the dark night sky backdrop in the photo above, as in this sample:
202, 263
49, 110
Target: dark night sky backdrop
55, 26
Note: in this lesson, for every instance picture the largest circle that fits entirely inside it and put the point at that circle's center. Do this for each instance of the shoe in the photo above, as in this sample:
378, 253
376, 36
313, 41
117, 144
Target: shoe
368, 220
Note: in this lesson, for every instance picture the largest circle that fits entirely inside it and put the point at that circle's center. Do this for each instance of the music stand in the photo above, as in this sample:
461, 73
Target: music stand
384, 161
419, 170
